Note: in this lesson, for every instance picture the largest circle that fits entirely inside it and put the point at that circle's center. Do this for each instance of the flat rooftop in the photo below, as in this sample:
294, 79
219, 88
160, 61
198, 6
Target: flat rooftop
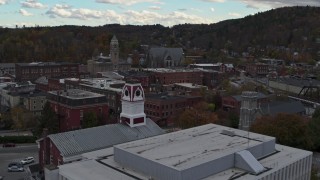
100, 165
190, 85
76, 94
166, 70
204, 143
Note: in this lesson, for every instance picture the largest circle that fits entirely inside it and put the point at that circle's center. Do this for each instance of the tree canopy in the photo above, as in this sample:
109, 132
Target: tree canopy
90, 120
198, 115
289, 129
49, 120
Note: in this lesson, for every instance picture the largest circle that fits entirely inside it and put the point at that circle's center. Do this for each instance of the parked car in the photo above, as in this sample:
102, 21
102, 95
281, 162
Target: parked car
27, 160
9, 145
15, 167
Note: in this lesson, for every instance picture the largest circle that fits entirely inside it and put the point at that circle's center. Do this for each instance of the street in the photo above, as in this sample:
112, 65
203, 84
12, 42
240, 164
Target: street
16, 154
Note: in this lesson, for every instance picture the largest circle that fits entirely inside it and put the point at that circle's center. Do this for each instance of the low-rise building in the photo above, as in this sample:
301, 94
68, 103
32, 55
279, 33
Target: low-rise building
165, 76
32, 71
210, 152
34, 102
161, 107
72, 104
67, 147
257, 69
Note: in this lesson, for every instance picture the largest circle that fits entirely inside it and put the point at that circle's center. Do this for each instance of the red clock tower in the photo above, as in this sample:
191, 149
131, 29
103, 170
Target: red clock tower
133, 105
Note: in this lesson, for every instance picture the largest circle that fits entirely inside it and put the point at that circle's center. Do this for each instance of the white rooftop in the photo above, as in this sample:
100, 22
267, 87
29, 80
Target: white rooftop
205, 143
190, 85
189, 152
76, 94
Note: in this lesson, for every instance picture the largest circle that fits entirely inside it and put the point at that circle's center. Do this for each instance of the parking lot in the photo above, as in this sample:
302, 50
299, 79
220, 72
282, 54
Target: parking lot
16, 154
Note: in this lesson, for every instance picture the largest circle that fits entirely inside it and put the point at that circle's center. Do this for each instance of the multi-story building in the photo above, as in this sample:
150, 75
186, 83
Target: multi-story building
7, 68
105, 86
10, 92
34, 102
189, 89
170, 76
32, 71
205, 152
212, 78
257, 69
161, 107
112, 62
71, 105
56, 150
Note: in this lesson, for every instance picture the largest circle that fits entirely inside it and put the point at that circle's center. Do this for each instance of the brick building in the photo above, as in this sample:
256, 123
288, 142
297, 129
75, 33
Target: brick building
32, 71
160, 107
189, 89
110, 88
72, 104
67, 147
170, 76
257, 69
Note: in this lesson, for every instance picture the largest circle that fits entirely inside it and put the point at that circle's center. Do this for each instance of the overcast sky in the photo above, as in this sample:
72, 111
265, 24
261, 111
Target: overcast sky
136, 12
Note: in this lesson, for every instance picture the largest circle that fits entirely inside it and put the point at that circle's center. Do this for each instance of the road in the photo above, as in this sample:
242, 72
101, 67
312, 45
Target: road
15, 154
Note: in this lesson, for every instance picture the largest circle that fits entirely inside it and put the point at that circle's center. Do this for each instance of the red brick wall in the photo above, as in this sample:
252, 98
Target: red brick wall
70, 116
179, 77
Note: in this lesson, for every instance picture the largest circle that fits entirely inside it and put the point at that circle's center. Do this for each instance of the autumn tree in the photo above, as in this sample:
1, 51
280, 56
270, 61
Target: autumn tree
314, 126
198, 115
22, 119
90, 120
49, 119
6, 121
289, 129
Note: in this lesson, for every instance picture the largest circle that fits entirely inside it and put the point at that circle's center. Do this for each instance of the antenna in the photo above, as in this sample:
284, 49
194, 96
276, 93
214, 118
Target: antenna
248, 110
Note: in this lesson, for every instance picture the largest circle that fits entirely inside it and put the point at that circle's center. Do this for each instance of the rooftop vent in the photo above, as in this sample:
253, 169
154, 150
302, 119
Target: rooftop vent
228, 133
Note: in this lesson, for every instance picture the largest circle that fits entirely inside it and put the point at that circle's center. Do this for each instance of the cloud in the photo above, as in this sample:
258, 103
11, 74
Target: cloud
212, 9
24, 12
218, 1
128, 17
65, 11
234, 14
147, 17
155, 8
279, 3
2, 2
126, 2
33, 4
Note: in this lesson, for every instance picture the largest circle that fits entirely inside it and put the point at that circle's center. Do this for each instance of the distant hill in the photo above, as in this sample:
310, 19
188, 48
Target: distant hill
275, 33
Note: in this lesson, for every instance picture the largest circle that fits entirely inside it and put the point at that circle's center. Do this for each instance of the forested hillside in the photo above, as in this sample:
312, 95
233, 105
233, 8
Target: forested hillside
276, 33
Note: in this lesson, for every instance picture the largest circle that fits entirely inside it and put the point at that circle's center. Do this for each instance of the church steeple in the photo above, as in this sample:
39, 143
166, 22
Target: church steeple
114, 50
133, 105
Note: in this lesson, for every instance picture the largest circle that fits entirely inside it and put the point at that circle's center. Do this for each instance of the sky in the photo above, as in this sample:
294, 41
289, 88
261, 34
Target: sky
32, 13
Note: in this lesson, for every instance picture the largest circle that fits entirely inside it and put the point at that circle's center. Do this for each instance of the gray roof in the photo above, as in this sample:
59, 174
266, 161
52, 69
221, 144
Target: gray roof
300, 82
260, 96
84, 140
276, 107
161, 53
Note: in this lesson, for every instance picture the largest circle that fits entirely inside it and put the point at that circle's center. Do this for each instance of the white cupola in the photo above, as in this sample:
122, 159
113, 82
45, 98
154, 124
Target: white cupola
132, 100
